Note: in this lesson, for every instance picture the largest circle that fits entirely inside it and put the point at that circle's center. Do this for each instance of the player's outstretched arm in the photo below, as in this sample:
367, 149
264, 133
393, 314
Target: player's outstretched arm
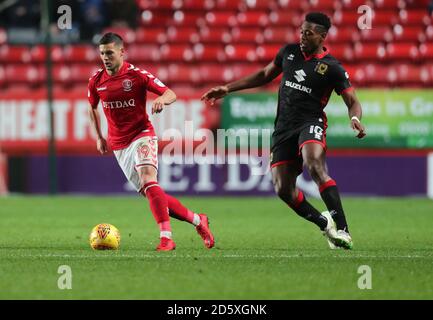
101, 143
355, 112
260, 78
168, 97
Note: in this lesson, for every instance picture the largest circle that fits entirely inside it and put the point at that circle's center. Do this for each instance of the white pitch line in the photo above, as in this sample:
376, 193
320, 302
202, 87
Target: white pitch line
230, 256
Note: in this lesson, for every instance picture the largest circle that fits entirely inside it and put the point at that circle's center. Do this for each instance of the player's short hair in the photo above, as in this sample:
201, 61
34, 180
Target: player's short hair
321, 19
111, 37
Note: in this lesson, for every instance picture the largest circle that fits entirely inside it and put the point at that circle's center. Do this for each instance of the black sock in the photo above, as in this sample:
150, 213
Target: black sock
331, 197
304, 209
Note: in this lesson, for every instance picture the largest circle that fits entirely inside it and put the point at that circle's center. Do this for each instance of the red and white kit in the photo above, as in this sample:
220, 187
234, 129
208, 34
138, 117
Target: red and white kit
130, 133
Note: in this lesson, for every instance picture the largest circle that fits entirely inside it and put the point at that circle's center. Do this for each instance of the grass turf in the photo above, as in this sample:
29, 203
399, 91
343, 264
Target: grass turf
263, 251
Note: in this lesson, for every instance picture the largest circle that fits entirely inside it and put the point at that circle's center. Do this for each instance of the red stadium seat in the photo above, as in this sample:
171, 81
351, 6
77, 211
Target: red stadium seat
384, 18
402, 51
155, 18
14, 54
323, 5
375, 74
80, 73
429, 33
376, 34
293, 4
342, 51
176, 52
2, 76
345, 18
186, 19
262, 5
286, 19
243, 70
143, 53
24, 74
408, 34
267, 53
280, 35
214, 73
414, 17
216, 35
38, 54
221, 19
198, 5
428, 73
417, 4
182, 35
209, 53
247, 35
369, 51
62, 74
80, 53
426, 51
152, 35
389, 4
241, 52
336, 35
408, 74
183, 73
252, 19
159, 4
353, 5
228, 4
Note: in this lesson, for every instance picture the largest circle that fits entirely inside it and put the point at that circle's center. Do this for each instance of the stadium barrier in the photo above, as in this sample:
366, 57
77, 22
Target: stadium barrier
400, 118
356, 175
392, 161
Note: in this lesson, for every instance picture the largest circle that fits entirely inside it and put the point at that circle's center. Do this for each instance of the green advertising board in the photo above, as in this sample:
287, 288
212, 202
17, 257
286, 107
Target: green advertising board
400, 118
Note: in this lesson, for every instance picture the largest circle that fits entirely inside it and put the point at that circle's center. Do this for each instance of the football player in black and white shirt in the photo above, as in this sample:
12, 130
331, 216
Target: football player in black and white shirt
310, 74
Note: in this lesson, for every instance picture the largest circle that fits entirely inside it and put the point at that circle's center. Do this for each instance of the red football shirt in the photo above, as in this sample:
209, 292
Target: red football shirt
123, 98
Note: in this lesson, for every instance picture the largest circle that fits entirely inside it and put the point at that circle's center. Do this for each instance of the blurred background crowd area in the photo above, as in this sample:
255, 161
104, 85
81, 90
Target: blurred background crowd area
195, 44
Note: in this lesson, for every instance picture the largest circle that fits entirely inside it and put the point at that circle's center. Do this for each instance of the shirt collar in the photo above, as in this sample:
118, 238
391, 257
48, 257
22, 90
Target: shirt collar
318, 56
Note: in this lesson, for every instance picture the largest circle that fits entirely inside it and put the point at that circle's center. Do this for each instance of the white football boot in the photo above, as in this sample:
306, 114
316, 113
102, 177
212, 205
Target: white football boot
343, 240
330, 232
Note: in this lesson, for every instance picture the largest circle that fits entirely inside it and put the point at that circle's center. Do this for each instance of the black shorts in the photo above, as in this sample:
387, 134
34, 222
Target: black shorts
288, 150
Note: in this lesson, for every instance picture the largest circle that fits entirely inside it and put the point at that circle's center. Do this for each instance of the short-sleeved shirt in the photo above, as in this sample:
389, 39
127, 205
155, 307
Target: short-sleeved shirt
123, 98
305, 88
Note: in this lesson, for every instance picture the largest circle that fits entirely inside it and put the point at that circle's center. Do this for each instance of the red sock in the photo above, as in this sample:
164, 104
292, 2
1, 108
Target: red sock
158, 204
178, 211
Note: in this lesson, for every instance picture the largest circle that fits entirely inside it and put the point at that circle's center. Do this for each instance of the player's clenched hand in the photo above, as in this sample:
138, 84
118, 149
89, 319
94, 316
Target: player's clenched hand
157, 105
358, 128
215, 93
101, 145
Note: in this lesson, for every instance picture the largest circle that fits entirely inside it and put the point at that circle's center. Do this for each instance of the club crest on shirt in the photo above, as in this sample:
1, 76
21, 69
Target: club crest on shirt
321, 68
127, 85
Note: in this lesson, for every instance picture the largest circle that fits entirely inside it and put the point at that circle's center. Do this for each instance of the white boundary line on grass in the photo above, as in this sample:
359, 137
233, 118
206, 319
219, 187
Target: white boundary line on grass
232, 256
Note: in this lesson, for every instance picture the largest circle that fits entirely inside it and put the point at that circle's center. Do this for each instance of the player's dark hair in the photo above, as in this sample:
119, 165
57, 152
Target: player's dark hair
321, 19
111, 37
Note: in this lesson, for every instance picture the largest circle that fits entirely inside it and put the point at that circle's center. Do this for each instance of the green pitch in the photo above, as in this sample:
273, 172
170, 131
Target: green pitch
263, 251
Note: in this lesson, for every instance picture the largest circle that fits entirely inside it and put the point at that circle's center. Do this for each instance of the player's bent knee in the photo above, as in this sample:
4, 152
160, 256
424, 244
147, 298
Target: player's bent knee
317, 171
314, 166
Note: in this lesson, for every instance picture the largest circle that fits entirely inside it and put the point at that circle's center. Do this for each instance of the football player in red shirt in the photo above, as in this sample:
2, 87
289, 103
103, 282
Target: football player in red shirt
122, 89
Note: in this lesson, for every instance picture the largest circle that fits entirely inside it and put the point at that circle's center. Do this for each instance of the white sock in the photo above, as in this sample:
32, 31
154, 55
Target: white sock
196, 220
165, 234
